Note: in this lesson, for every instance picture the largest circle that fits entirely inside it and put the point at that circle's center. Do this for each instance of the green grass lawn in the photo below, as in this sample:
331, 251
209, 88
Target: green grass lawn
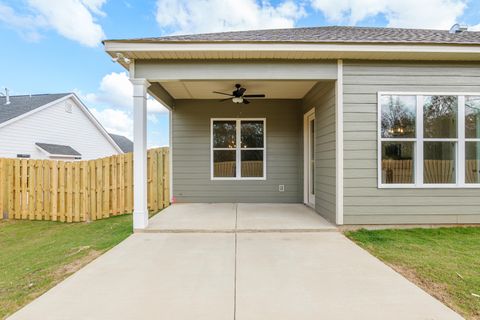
36, 255
445, 262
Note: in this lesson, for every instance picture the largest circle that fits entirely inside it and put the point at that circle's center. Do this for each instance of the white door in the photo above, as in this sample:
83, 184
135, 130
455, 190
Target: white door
309, 157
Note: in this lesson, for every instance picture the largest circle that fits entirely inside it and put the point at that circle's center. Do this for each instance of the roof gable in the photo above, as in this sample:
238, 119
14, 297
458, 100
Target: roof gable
20, 105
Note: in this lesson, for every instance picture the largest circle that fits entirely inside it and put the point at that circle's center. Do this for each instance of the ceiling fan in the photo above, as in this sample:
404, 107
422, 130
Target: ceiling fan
239, 96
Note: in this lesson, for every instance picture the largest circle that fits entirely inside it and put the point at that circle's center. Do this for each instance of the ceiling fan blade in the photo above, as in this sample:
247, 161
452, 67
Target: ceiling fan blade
225, 99
225, 94
245, 101
241, 91
254, 96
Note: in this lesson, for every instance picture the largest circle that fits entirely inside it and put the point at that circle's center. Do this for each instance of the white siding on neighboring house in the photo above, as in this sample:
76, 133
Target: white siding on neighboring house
56, 126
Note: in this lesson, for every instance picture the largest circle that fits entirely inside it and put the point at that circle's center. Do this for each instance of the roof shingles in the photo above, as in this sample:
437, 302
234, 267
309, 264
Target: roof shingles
23, 104
333, 34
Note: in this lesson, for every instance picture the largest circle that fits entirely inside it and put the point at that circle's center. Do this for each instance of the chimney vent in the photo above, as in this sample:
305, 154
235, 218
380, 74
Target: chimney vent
7, 96
458, 28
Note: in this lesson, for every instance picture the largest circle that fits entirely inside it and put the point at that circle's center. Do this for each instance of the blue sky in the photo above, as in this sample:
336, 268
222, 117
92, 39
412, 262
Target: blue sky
53, 46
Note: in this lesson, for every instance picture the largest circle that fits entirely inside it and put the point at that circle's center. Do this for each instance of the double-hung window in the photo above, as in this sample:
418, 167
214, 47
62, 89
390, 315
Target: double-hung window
428, 140
238, 149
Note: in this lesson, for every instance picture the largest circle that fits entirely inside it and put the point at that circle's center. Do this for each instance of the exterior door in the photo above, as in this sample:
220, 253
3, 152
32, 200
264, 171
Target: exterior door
309, 158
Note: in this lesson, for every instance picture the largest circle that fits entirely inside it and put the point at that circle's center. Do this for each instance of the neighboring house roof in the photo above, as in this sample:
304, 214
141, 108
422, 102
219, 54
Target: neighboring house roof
123, 142
332, 34
22, 104
58, 150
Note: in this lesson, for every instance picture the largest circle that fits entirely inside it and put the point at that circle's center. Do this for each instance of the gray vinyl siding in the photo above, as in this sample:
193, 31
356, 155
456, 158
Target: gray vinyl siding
191, 152
322, 98
364, 203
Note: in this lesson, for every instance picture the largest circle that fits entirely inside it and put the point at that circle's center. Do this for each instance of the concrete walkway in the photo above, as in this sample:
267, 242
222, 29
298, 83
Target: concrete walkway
236, 275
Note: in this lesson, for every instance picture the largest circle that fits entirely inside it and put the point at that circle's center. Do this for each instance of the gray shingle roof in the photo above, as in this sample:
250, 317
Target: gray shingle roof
23, 104
123, 142
57, 149
333, 34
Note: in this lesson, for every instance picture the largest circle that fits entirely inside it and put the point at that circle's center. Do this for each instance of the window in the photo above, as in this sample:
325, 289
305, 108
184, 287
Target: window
238, 149
428, 140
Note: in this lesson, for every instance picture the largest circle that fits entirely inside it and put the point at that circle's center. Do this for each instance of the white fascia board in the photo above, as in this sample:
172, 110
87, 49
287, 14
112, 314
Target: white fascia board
291, 47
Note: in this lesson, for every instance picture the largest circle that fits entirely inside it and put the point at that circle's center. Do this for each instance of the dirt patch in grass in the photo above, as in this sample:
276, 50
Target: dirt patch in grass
36, 255
438, 291
72, 267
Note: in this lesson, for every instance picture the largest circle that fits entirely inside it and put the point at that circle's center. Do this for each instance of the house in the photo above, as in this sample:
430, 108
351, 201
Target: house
365, 125
54, 126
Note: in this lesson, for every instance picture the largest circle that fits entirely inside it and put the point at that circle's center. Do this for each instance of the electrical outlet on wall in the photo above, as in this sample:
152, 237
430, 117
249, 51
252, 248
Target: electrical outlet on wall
281, 187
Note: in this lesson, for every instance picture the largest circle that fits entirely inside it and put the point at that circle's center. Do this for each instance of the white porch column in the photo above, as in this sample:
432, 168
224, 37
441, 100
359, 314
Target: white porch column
140, 211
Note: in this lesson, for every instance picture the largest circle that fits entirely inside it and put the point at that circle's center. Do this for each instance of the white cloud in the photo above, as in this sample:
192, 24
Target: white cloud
115, 121
435, 14
116, 91
73, 19
474, 28
185, 16
112, 104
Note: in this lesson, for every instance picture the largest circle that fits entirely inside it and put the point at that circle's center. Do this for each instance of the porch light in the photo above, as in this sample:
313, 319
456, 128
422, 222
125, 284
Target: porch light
237, 100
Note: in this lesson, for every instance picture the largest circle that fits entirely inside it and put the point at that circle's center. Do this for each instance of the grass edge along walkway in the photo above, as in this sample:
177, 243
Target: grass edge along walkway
36, 255
445, 262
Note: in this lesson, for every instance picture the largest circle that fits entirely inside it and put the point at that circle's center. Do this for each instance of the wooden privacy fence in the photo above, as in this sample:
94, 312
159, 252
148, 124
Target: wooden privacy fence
435, 171
228, 168
79, 191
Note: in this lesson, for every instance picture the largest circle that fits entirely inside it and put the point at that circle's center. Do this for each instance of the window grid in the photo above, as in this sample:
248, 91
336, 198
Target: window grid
419, 140
238, 149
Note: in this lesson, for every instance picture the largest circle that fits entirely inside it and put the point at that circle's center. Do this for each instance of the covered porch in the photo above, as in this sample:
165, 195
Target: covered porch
238, 218
295, 163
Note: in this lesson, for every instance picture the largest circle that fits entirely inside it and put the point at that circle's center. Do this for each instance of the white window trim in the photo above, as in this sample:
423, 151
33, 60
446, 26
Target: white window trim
419, 140
239, 149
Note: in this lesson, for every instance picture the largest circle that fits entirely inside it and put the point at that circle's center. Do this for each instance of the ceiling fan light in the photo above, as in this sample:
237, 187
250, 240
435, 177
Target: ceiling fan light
237, 100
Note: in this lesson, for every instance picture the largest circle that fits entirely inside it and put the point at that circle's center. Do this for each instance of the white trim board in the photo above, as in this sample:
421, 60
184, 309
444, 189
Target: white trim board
339, 144
341, 50
306, 159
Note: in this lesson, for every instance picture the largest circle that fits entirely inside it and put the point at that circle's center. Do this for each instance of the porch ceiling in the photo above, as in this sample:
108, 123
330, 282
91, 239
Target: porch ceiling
204, 89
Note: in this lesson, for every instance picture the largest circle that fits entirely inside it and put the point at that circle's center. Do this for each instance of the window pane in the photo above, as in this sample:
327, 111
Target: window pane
439, 162
472, 162
472, 117
224, 134
398, 116
224, 163
440, 116
397, 162
252, 163
252, 134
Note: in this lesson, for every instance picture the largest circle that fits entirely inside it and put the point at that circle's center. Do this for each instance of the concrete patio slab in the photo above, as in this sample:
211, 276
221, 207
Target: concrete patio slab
323, 276
148, 276
239, 275
279, 217
185, 217
241, 217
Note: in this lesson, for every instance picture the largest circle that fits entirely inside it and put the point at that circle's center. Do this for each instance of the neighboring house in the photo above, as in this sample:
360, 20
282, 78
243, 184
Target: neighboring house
54, 126
123, 142
366, 125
